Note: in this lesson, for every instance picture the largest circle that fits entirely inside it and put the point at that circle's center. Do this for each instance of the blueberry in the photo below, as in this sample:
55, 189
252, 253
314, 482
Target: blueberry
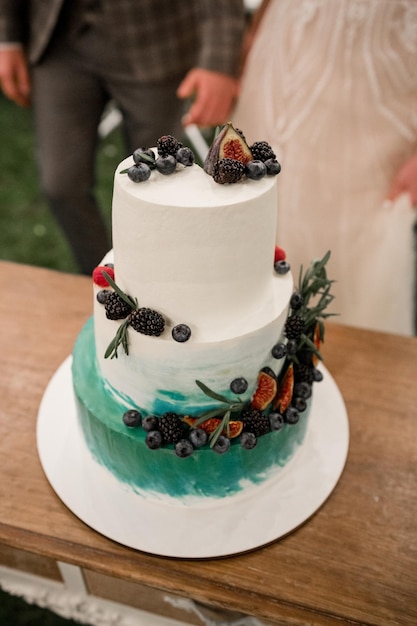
166, 164
139, 173
154, 440
255, 170
132, 418
185, 156
276, 420
181, 333
183, 448
109, 265
239, 385
291, 415
296, 301
303, 390
150, 422
272, 167
248, 440
282, 267
144, 155
318, 376
279, 350
102, 295
198, 437
291, 347
222, 445
299, 403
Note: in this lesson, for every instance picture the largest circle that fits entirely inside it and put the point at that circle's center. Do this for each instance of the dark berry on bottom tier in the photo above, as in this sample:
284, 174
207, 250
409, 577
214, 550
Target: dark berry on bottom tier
276, 420
239, 385
248, 440
150, 422
198, 437
294, 327
317, 375
222, 445
279, 350
154, 440
183, 448
291, 415
299, 403
303, 390
132, 418
296, 301
255, 421
171, 427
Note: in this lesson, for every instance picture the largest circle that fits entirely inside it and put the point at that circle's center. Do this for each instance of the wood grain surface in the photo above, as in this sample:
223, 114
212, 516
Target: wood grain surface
353, 562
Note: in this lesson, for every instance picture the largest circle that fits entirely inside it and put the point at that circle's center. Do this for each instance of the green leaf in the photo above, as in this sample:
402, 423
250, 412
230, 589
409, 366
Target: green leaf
212, 394
132, 303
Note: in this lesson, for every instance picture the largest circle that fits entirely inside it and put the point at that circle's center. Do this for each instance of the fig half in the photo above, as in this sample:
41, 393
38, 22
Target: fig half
229, 144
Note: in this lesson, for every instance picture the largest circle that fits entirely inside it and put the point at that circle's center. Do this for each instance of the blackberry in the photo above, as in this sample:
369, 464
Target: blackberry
116, 307
304, 373
262, 151
255, 421
228, 171
171, 427
167, 144
294, 327
147, 321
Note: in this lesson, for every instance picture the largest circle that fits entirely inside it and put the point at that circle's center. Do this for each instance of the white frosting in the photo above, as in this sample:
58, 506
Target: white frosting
201, 254
198, 252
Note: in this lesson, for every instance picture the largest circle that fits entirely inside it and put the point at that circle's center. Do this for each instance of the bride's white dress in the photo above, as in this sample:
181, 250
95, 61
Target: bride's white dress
332, 85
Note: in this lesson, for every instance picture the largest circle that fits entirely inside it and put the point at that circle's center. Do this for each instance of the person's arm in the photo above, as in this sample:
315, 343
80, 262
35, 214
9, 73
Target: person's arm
214, 82
14, 74
405, 181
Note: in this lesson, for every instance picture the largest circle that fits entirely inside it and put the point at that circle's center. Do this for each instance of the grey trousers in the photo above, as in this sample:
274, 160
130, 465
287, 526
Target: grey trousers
71, 86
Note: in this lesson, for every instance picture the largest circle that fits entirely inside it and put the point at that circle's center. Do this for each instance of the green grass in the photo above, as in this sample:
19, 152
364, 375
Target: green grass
28, 232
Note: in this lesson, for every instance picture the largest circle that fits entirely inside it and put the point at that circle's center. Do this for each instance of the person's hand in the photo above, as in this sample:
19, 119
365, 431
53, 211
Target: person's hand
405, 181
214, 94
14, 76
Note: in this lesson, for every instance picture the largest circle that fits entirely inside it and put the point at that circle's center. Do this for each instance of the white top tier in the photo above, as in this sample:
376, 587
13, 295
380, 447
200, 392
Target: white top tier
198, 252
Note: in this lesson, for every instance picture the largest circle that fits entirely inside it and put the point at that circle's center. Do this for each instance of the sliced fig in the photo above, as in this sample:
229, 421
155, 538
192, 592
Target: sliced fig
229, 144
285, 388
265, 391
233, 430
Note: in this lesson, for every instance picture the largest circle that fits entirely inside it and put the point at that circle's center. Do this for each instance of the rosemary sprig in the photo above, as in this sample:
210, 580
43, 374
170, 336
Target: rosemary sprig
121, 337
224, 412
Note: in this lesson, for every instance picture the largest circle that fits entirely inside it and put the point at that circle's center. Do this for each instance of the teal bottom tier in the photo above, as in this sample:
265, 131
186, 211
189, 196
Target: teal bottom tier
123, 451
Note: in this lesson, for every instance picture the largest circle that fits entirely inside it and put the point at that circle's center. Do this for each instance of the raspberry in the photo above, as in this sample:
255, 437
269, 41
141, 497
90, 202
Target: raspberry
279, 254
98, 277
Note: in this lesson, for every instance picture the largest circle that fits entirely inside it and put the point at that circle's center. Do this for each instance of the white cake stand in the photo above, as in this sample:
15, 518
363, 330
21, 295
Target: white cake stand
214, 528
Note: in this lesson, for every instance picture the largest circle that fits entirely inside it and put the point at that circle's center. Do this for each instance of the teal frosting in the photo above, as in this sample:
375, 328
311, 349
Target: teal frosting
123, 451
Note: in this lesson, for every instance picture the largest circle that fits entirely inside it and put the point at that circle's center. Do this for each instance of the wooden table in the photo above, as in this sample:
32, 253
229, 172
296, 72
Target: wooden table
354, 562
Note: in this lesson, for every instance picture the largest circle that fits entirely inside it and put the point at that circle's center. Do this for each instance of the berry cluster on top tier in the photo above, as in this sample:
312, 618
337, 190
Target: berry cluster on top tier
230, 159
171, 153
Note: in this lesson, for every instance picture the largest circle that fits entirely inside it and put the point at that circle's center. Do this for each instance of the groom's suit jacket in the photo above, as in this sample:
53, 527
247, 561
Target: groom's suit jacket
158, 38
